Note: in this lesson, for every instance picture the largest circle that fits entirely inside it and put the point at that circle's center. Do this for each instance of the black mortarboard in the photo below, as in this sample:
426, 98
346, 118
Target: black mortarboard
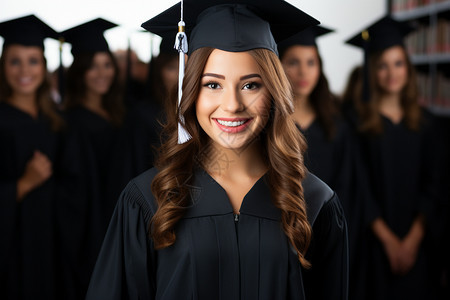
305, 37
234, 26
27, 31
381, 35
167, 44
88, 37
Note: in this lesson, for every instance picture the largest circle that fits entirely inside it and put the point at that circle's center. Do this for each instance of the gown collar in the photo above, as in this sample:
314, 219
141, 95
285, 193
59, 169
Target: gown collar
209, 198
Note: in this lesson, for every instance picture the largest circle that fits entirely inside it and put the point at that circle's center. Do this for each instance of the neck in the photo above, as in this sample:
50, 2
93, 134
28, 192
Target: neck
390, 106
26, 103
392, 100
93, 101
304, 113
230, 163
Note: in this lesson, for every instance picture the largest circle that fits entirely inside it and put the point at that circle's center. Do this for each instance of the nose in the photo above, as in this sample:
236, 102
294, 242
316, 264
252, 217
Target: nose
232, 102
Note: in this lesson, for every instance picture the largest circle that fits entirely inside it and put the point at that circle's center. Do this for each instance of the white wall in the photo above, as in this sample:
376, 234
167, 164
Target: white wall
345, 16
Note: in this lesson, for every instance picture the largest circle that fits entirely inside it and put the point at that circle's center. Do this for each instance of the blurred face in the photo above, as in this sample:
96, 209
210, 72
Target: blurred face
233, 104
392, 70
169, 74
100, 75
302, 66
24, 69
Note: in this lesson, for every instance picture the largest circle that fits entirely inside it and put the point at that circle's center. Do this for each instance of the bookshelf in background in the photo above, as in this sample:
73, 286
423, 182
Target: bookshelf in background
429, 47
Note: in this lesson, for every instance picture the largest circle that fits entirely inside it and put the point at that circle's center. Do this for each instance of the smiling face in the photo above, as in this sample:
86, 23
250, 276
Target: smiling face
302, 66
100, 75
392, 70
24, 69
233, 104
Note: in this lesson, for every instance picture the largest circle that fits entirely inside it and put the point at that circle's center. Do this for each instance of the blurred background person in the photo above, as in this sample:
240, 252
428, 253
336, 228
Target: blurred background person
332, 153
133, 76
95, 109
399, 143
36, 166
145, 119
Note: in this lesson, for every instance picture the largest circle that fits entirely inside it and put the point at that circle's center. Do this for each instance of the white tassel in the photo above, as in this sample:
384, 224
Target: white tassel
181, 45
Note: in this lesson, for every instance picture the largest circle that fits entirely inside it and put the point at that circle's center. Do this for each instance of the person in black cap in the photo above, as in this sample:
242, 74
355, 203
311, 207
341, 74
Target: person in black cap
332, 147
399, 144
95, 109
34, 162
230, 212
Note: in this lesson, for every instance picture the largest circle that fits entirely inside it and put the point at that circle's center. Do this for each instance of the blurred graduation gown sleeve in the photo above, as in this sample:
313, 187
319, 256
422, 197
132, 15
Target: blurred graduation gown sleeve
215, 257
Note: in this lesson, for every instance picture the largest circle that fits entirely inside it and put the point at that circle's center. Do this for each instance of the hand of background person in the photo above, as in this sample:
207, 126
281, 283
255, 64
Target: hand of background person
393, 248
37, 171
410, 245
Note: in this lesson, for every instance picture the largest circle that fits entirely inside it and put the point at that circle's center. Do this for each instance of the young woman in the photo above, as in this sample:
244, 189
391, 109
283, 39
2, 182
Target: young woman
333, 153
232, 213
95, 110
33, 164
398, 143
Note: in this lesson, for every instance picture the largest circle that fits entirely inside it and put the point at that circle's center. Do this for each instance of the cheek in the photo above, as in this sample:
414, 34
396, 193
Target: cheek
203, 109
262, 108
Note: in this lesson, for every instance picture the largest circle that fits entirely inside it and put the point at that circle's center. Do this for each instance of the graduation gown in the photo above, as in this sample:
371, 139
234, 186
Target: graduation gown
28, 255
403, 175
218, 255
338, 162
102, 149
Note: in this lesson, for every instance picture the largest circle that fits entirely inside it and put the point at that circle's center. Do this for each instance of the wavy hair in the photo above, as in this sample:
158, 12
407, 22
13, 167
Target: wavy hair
283, 147
76, 87
47, 107
371, 121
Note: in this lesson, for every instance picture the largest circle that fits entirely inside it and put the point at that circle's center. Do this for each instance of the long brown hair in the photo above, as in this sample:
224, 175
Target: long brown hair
76, 87
283, 147
46, 105
324, 102
371, 121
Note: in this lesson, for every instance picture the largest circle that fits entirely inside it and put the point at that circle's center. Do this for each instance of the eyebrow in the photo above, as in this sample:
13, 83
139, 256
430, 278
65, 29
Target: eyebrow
223, 77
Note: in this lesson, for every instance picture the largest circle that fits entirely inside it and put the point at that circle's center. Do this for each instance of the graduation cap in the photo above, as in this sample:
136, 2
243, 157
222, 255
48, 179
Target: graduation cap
381, 35
167, 44
238, 25
88, 37
229, 25
28, 31
305, 37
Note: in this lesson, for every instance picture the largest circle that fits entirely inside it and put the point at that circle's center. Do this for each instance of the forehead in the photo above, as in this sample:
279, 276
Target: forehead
17, 49
300, 50
393, 52
231, 63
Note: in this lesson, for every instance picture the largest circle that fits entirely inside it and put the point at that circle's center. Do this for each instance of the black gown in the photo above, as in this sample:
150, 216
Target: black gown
28, 250
402, 166
217, 257
338, 162
104, 176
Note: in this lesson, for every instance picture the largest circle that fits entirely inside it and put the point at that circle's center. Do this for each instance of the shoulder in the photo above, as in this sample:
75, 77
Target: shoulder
138, 192
317, 194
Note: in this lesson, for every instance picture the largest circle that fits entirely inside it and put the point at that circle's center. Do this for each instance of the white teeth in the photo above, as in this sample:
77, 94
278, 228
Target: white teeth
230, 123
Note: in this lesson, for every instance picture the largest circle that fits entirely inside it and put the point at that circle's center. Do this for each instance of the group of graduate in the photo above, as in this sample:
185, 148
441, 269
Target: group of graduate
63, 167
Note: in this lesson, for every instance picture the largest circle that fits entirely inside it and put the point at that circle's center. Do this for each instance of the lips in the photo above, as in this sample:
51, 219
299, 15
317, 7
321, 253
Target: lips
233, 125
